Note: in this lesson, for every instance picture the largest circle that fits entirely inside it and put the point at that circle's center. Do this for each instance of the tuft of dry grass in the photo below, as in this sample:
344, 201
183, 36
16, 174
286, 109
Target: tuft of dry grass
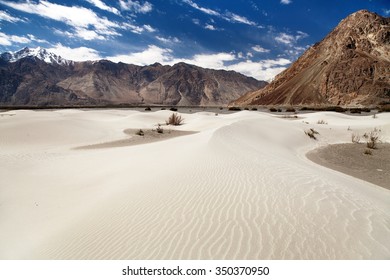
174, 119
368, 152
159, 129
355, 137
321, 122
312, 133
140, 132
373, 138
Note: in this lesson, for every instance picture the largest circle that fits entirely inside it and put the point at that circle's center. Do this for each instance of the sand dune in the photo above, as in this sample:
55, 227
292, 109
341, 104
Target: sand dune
241, 188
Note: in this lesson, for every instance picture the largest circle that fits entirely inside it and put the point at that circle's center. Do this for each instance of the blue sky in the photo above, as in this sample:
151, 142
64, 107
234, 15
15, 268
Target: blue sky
258, 38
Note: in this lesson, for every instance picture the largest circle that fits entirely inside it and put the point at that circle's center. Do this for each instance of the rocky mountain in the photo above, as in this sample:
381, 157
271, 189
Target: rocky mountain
38, 77
350, 66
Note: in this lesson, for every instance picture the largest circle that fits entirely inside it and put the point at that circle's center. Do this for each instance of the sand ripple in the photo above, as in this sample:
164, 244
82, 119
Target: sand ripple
239, 190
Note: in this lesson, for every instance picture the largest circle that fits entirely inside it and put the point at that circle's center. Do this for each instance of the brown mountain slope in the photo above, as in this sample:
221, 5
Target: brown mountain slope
40, 80
350, 66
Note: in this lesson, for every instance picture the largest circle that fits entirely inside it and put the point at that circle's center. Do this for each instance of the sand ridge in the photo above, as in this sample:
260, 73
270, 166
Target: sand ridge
138, 138
241, 188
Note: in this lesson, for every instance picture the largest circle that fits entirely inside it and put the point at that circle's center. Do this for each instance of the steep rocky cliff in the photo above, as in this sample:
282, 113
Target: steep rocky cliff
350, 66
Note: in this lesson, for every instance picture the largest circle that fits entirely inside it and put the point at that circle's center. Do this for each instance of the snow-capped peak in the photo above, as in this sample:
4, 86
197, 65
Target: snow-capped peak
39, 53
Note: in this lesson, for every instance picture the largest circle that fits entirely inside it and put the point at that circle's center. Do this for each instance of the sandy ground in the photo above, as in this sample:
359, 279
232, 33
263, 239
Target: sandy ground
351, 159
240, 188
138, 137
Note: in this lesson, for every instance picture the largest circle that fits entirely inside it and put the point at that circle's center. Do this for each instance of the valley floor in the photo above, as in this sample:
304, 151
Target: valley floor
240, 188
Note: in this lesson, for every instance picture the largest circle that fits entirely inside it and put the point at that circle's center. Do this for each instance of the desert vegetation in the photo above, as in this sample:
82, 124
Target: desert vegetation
234, 109
312, 133
368, 152
321, 122
373, 138
355, 137
174, 119
159, 129
140, 132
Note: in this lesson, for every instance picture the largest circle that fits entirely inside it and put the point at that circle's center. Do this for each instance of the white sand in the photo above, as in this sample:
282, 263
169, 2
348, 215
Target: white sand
242, 188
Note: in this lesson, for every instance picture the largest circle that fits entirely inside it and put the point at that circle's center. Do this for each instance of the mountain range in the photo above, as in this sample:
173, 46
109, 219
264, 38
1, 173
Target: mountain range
40, 78
349, 67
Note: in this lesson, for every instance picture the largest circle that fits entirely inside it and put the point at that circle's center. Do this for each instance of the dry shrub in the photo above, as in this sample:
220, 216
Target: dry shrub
140, 132
159, 129
289, 116
368, 152
373, 138
312, 133
322, 122
355, 138
174, 119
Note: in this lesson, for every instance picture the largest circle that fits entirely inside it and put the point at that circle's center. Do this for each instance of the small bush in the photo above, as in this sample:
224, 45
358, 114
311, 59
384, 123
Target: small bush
368, 152
174, 119
273, 110
291, 110
355, 138
372, 138
312, 133
322, 122
234, 109
140, 132
246, 109
173, 109
159, 129
254, 109
148, 109
335, 109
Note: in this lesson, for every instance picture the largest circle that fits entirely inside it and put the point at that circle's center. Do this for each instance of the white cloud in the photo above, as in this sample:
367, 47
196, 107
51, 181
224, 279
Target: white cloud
196, 21
228, 16
386, 12
301, 35
4, 16
146, 57
285, 2
87, 34
133, 28
101, 5
285, 38
264, 70
8, 40
289, 39
213, 61
85, 21
260, 49
148, 28
202, 9
240, 19
35, 39
169, 40
75, 54
261, 70
136, 6
210, 27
